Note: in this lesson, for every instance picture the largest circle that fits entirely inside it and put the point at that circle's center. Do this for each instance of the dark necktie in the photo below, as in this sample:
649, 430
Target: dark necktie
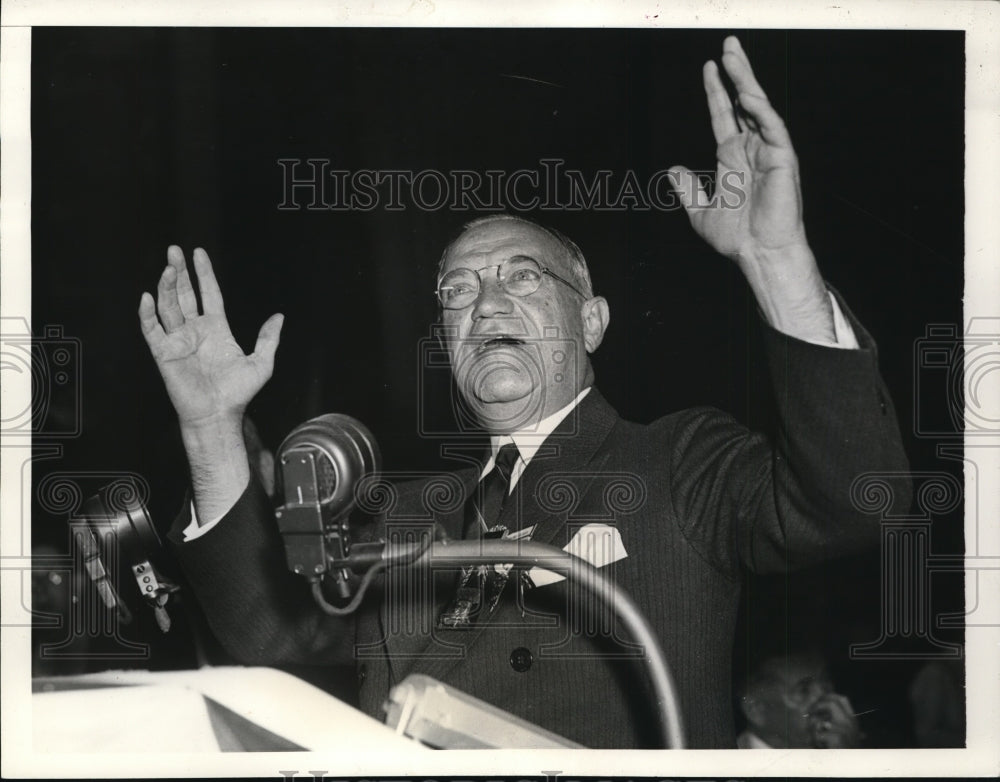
485, 505
479, 586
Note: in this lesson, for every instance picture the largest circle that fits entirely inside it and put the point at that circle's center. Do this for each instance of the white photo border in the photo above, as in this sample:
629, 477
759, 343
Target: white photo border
981, 23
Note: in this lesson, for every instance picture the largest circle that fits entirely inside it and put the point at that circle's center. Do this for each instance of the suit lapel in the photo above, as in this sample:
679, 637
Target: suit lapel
558, 478
554, 483
409, 607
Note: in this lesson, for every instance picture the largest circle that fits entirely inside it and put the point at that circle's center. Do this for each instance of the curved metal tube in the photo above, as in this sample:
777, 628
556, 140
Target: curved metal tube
530, 554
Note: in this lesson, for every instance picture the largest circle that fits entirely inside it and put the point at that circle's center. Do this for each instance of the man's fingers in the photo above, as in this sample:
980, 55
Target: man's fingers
752, 98
149, 323
267, 341
769, 123
737, 65
185, 291
720, 108
839, 728
166, 300
211, 296
835, 710
840, 707
689, 189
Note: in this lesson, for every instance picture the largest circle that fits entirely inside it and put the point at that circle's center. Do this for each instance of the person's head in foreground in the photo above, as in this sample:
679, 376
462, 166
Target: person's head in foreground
789, 701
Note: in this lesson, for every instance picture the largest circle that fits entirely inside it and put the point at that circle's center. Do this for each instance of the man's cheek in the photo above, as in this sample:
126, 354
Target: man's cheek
453, 345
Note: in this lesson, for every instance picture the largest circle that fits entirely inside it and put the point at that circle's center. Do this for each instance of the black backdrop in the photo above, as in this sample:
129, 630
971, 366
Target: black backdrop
146, 137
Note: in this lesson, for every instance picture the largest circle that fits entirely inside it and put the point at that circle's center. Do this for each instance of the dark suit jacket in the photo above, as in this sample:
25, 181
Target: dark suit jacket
696, 497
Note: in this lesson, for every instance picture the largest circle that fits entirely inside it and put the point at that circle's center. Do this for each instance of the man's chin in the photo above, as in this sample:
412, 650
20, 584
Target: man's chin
505, 407
505, 394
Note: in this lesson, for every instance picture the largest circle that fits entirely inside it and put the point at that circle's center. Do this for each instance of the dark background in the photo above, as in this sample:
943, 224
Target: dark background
146, 137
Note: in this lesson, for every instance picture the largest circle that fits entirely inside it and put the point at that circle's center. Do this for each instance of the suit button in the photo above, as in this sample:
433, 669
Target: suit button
520, 659
362, 673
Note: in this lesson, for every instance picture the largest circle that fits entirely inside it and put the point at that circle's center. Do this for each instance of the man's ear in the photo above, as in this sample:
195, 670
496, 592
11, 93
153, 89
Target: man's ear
596, 316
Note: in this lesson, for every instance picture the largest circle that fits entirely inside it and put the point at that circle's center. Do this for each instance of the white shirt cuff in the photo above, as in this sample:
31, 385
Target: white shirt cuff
193, 530
842, 330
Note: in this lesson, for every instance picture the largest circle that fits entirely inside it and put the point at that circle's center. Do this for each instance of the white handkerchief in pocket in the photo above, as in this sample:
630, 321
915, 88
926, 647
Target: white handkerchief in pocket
598, 544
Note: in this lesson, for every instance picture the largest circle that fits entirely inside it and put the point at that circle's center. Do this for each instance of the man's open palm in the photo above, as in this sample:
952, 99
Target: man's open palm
206, 373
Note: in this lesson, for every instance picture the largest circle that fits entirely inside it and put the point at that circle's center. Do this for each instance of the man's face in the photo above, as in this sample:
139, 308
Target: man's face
787, 702
516, 359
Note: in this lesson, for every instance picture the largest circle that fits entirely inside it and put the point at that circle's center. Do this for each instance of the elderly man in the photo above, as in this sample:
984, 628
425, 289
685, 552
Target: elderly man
789, 702
705, 497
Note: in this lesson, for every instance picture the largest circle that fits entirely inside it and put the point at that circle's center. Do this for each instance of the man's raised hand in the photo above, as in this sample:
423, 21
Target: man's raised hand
763, 231
209, 378
207, 375
755, 155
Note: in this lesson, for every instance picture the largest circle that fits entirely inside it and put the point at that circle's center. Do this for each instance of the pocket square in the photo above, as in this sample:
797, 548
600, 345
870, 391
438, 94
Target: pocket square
598, 544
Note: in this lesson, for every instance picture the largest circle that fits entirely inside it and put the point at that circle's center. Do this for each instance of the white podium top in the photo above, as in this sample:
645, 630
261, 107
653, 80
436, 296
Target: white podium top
208, 710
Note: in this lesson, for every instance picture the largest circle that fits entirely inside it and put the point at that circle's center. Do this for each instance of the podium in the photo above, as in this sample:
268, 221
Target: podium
226, 709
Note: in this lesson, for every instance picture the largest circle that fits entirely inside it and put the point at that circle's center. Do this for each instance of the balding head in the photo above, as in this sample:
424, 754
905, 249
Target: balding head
576, 263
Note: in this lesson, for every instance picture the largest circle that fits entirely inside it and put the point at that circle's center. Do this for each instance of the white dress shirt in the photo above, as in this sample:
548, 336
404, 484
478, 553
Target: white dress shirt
528, 441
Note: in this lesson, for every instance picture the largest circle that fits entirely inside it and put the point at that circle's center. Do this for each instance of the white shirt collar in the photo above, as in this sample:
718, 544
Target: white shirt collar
750, 740
529, 441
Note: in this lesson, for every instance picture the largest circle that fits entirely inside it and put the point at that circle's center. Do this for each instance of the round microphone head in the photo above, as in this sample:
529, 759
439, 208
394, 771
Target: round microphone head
343, 450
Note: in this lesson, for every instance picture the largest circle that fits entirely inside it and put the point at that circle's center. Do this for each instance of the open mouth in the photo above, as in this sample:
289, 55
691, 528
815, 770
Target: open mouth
500, 340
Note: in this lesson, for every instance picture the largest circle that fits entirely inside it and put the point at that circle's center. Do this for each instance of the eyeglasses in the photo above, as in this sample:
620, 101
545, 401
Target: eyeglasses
518, 276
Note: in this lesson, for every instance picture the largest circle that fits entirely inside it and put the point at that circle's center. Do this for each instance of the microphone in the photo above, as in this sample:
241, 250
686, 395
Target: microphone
319, 465
114, 527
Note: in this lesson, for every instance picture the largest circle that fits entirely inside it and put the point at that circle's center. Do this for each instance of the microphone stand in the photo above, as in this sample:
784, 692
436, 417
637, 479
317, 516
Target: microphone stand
376, 557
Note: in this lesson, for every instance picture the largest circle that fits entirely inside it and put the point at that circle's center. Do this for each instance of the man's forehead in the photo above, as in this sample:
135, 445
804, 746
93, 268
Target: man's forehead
494, 242
793, 670
801, 672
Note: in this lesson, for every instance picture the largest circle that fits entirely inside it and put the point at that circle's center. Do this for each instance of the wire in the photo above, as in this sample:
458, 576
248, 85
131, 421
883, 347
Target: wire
351, 607
396, 555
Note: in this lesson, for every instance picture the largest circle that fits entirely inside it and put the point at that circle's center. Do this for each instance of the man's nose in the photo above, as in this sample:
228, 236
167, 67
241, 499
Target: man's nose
492, 300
